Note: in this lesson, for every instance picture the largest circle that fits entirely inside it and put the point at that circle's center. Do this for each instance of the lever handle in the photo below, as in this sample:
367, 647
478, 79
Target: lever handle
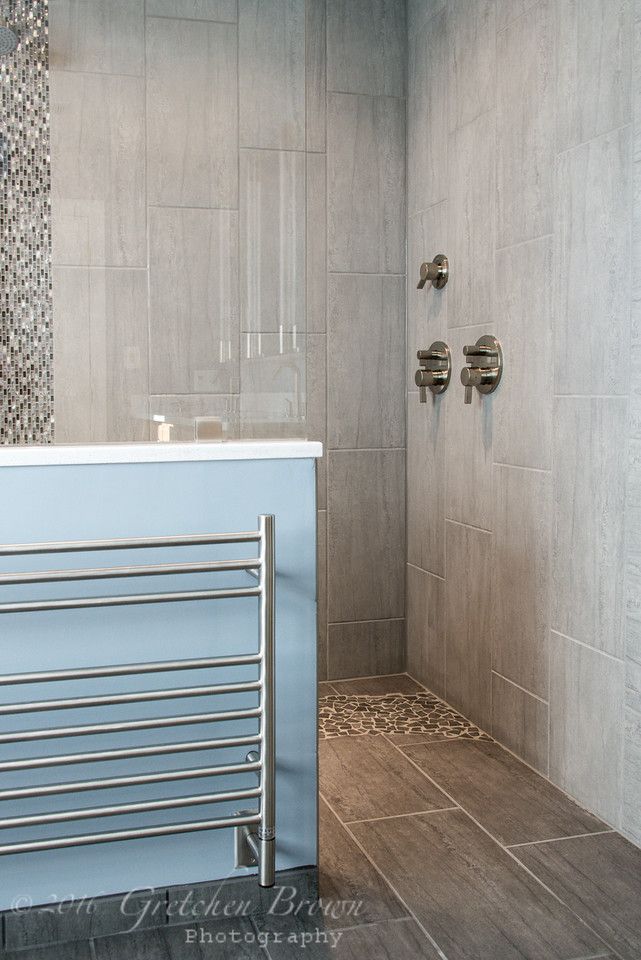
436, 271
485, 359
435, 369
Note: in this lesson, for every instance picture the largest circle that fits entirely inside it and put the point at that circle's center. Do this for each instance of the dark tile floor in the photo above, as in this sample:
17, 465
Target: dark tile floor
433, 845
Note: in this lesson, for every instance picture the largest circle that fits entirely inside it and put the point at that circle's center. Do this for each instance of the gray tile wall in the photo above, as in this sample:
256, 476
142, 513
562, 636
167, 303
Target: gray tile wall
524, 509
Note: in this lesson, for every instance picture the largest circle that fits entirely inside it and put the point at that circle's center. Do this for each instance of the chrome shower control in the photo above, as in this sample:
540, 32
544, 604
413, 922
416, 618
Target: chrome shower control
485, 359
437, 272
435, 369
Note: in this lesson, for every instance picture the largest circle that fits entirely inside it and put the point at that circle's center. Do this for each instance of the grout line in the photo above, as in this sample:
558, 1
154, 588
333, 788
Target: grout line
363, 273
399, 816
472, 526
428, 572
574, 836
523, 243
390, 885
368, 450
369, 96
584, 143
519, 687
340, 623
520, 466
587, 646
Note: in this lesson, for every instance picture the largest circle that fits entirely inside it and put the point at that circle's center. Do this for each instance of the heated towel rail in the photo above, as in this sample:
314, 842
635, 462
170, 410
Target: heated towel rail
261, 843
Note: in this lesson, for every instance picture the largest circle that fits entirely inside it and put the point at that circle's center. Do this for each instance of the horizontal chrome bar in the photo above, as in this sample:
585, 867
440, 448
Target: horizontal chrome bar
113, 836
142, 696
132, 780
125, 600
114, 573
137, 543
125, 726
127, 753
124, 669
120, 809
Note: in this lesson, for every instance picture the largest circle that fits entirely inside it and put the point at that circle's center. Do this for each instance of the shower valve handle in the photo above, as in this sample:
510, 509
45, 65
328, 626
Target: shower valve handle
435, 369
485, 359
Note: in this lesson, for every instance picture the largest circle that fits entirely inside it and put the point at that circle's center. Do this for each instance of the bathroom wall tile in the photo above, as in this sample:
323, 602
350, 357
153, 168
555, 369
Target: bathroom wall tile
223, 11
427, 107
192, 118
366, 47
509, 10
316, 75
366, 548
468, 622
321, 591
366, 184
636, 61
426, 483
587, 536
633, 609
520, 722
272, 240
471, 214
593, 68
525, 126
365, 321
97, 170
426, 308
316, 243
316, 407
521, 576
193, 301
524, 327
586, 693
631, 820
272, 385
636, 204
181, 410
94, 37
100, 354
365, 649
592, 239
271, 70
472, 69
469, 431
425, 612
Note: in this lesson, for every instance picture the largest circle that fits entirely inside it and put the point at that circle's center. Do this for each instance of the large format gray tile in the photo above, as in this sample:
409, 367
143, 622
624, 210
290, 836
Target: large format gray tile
365, 648
379, 941
426, 308
468, 622
321, 592
631, 816
78, 950
366, 47
378, 686
316, 407
366, 548
272, 240
594, 42
586, 707
515, 804
425, 613
471, 216
509, 10
365, 321
600, 880
366, 184
521, 576
592, 240
273, 385
469, 893
524, 327
587, 544
469, 432
223, 11
94, 37
100, 354
525, 126
427, 127
316, 75
520, 722
426, 483
472, 67
97, 170
359, 778
271, 70
192, 114
316, 243
193, 300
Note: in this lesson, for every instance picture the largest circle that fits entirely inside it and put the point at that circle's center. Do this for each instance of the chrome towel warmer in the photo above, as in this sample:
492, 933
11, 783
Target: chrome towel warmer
261, 844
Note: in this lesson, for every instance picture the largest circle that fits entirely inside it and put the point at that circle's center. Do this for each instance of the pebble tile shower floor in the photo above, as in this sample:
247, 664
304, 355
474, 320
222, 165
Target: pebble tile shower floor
451, 846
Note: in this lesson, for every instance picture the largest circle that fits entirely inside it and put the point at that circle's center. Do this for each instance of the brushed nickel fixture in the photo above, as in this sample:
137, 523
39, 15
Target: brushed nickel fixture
485, 359
435, 369
437, 272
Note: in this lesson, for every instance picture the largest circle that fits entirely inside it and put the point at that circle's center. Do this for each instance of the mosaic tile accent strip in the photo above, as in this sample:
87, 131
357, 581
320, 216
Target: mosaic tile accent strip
421, 714
26, 342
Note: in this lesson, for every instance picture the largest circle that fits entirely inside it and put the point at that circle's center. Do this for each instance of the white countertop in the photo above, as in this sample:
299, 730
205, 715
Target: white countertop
64, 454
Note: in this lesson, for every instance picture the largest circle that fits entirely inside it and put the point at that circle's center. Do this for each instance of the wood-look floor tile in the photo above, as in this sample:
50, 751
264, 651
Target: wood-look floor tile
507, 798
375, 686
233, 939
392, 940
74, 950
600, 880
470, 895
361, 776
